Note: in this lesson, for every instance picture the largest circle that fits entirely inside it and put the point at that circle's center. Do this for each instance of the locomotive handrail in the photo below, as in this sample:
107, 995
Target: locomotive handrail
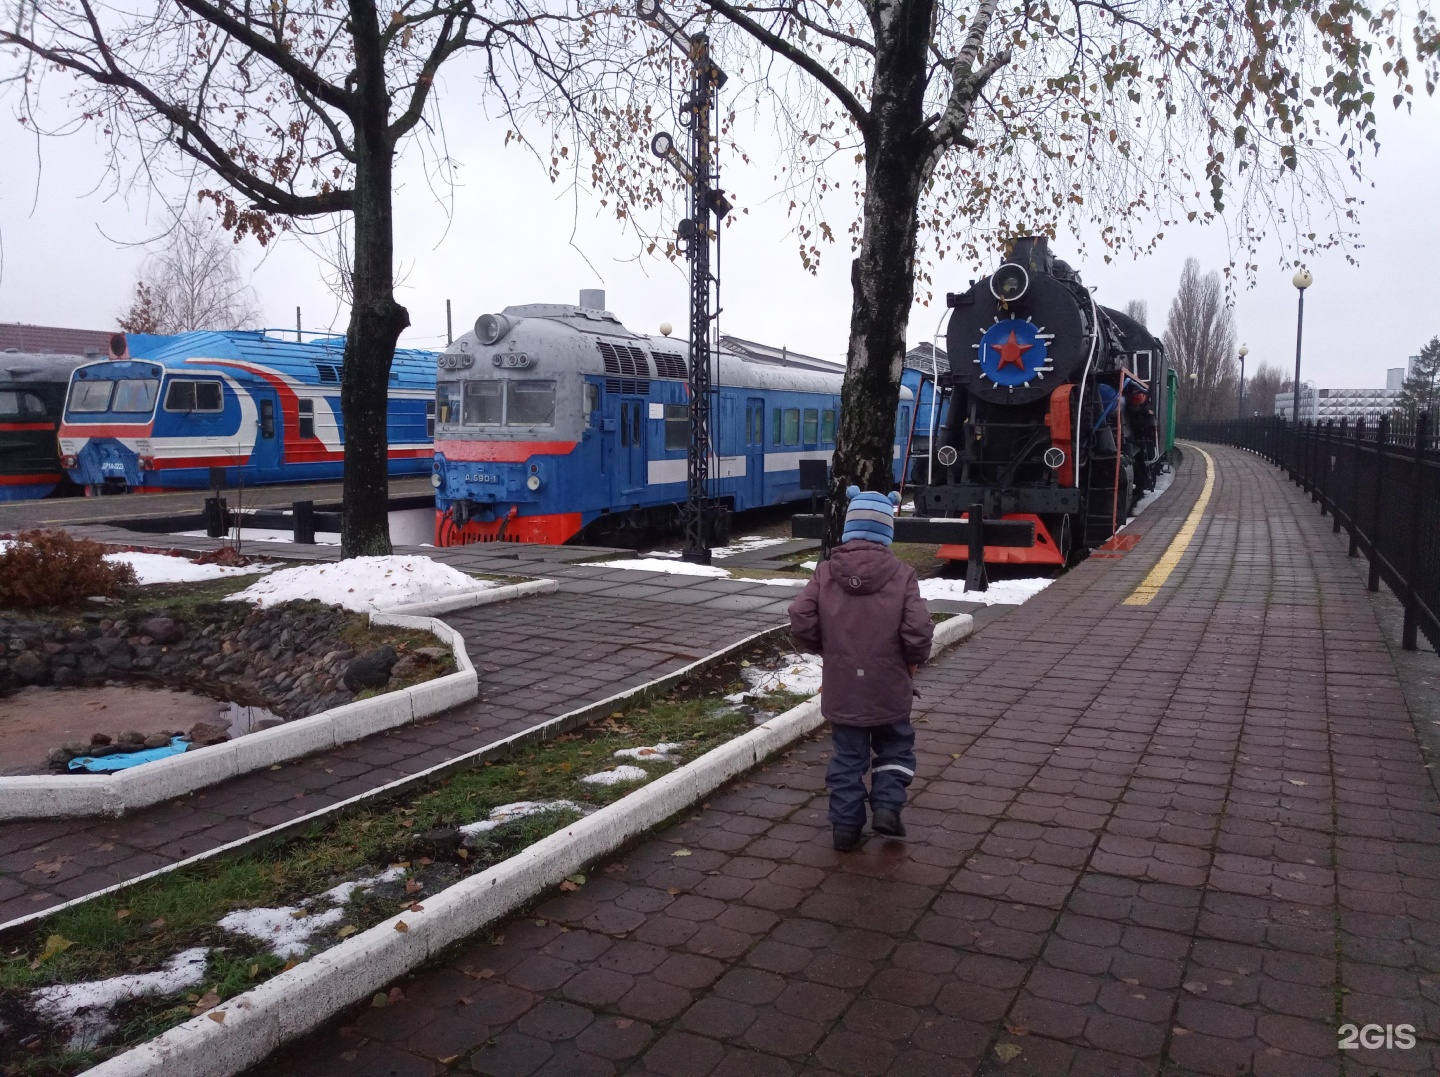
932, 530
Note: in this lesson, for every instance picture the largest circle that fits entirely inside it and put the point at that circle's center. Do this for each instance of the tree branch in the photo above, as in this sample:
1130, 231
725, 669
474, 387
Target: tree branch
800, 59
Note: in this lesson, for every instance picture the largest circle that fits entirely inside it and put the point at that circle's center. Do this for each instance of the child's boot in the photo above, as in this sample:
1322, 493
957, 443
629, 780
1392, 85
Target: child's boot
887, 821
846, 841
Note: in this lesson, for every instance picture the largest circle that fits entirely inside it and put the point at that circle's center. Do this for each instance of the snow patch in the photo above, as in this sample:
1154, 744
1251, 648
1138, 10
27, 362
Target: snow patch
798, 673
655, 753
162, 568
364, 584
616, 776
520, 809
285, 930
745, 544
1001, 592
1162, 483
659, 564
341, 895
260, 534
772, 583
85, 1007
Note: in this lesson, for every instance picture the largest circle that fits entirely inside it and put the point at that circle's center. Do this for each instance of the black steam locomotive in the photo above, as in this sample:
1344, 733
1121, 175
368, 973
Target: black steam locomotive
1051, 413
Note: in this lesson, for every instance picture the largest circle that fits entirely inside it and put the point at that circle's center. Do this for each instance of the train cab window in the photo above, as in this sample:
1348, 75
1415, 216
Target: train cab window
429, 418
135, 395
792, 426
89, 396
484, 403
529, 403
307, 418
812, 426
14, 403
194, 396
267, 419
1143, 366
592, 402
447, 402
677, 427
827, 427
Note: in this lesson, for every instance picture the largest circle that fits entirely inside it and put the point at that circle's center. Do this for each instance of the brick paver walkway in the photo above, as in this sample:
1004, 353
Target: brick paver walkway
1188, 838
537, 657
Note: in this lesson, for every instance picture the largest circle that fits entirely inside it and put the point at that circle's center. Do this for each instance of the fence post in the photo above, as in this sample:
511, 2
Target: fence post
1355, 487
1339, 448
1322, 479
302, 518
1382, 434
1412, 568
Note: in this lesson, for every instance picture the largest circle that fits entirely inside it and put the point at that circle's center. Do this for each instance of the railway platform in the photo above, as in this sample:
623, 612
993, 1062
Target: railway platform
1173, 816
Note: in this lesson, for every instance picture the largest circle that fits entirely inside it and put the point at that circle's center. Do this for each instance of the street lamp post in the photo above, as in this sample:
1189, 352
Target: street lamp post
1301, 280
1240, 408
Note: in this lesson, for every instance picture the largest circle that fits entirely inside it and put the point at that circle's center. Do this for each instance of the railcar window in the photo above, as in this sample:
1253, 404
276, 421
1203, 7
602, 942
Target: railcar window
827, 427
484, 402
429, 418
812, 426
592, 401
194, 396
91, 395
307, 418
792, 426
267, 418
447, 401
135, 395
637, 436
776, 434
530, 403
677, 426
14, 403
749, 426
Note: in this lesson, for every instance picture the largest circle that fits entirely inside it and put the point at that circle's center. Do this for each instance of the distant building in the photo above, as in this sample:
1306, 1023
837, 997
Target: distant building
926, 357
1323, 405
53, 340
1395, 377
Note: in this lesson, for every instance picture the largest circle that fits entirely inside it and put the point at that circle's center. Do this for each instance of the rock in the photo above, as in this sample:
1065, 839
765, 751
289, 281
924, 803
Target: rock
132, 740
406, 667
64, 677
60, 757
435, 654
76, 747
30, 667
157, 740
162, 630
371, 669
440, 842
98, 751
204, 733
99, 739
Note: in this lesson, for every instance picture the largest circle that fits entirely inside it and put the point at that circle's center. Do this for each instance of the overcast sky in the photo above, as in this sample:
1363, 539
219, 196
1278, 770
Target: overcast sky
69, 257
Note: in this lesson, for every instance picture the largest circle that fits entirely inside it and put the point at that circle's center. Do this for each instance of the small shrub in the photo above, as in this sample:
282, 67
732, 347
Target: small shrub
52, 568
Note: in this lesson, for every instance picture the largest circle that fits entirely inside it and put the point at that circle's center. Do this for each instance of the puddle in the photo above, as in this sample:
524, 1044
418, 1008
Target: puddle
242, 720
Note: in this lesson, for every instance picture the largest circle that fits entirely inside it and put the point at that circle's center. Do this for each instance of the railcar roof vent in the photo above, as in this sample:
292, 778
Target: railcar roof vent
668, 365
628, 362
329, 374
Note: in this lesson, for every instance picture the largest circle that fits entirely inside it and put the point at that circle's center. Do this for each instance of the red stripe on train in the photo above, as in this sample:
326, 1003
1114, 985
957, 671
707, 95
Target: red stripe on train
29, 480
26, 426
502, 452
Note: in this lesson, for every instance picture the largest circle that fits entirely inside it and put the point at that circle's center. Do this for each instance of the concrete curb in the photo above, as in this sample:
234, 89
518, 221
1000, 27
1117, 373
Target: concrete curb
251, 1026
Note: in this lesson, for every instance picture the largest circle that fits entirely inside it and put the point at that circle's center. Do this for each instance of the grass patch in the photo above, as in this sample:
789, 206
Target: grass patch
138, 929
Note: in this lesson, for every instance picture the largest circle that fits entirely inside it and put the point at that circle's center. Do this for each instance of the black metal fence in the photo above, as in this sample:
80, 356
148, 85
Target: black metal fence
1381, 484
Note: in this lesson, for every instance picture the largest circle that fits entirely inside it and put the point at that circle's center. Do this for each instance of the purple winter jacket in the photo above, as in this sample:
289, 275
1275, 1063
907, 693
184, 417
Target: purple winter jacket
862, 612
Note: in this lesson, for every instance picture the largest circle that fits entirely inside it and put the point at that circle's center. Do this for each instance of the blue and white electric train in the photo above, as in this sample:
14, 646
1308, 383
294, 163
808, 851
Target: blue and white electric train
266, 410
555, 421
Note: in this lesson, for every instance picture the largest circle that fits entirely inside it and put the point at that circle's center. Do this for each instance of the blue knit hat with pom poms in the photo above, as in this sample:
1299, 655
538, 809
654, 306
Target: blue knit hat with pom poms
870, 516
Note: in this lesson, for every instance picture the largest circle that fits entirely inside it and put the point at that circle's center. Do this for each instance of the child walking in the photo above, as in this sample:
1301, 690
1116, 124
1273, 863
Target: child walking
862, 612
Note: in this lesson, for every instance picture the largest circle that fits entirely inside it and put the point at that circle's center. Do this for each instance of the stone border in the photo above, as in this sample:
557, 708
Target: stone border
44, 796
251, 1026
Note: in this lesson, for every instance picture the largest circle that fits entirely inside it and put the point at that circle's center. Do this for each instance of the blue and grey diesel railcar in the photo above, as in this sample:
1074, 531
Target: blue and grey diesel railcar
167, 409
555, 422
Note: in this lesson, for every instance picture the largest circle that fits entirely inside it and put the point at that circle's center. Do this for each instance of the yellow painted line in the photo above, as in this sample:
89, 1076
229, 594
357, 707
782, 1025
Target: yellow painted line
1151, 584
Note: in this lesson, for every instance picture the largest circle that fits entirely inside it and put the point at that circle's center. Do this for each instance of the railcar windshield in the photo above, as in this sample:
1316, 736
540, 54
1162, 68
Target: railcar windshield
495, 403
447, 402
125, 396
484, 403
529, 403
14, 403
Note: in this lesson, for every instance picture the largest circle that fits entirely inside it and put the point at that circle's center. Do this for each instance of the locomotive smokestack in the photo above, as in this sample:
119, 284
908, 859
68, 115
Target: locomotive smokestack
593, 298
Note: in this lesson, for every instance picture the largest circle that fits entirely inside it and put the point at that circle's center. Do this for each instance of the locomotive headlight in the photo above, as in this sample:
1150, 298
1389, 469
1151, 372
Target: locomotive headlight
491, 327
1009, 282
435, 480
533, 483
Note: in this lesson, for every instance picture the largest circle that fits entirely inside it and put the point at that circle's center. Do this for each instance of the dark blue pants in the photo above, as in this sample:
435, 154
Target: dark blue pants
887, 751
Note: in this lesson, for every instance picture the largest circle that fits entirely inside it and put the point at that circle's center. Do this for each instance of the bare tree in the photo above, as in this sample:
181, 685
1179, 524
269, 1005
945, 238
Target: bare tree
193, 282
959, 124
1262, 387
1139, 310
1200, 343
298, 108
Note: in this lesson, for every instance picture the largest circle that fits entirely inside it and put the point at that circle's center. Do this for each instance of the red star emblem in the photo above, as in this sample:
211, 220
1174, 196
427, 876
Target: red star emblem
1011, 352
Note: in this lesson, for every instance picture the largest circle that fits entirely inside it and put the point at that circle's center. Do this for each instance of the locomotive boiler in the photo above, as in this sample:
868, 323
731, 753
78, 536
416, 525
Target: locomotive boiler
1051, 410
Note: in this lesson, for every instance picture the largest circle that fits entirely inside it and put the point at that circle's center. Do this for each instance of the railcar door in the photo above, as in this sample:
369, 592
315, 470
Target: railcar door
269, 437
754, 452
633, 457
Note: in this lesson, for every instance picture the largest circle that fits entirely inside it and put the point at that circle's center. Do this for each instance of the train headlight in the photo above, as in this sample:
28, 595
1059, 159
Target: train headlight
1009, 282
491, 327
533, 483
435, 480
